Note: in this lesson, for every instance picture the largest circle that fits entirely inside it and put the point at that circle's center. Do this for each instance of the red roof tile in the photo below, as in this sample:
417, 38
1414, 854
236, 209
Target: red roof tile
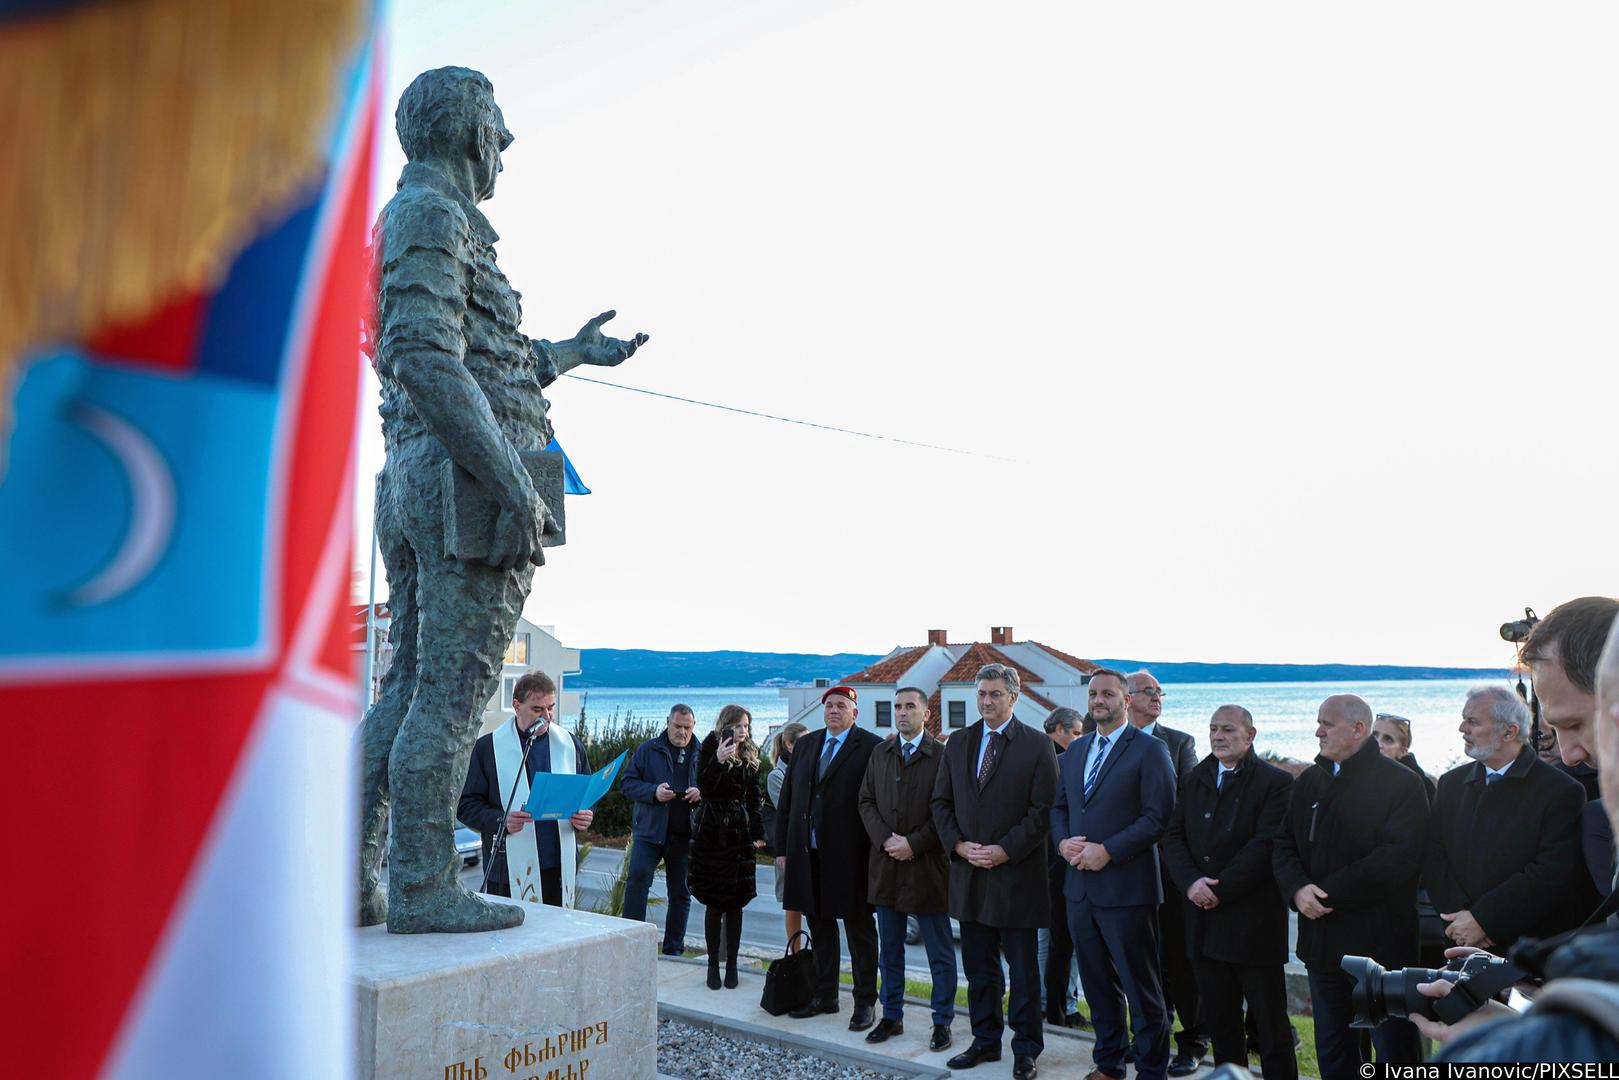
890, 670
979, 654
935, 724
1044, 703
1085, 666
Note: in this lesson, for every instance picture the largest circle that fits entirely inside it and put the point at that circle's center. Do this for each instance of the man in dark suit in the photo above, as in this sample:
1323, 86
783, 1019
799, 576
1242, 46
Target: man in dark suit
990, 805
1348, 858
1114, 799
824, 853
1504, 843
1218, 852
1179, 978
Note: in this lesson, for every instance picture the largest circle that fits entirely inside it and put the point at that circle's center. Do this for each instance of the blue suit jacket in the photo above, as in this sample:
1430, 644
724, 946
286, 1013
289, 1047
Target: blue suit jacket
1129, 810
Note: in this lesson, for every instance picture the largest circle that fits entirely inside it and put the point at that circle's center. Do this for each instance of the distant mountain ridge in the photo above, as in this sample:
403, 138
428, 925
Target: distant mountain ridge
650, 667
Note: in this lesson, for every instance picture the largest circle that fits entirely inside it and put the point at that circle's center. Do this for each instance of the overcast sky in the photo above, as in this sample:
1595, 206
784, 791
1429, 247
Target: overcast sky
1272, 332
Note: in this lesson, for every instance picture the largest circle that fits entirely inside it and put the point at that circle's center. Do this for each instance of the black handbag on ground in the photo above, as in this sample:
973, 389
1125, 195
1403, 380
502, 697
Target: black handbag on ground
790, 980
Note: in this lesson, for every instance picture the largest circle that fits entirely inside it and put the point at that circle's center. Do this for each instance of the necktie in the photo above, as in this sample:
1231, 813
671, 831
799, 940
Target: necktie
1096, 766
1219, 785
826, 756
906, 752
989, 757
1490, 778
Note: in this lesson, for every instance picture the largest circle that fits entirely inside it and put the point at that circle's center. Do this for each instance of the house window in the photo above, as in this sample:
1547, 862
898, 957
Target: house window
517, 651
958, 714
511, 684
885, 714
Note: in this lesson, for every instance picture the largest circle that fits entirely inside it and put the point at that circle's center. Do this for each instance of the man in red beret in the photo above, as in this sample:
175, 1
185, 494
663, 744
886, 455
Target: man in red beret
824, 851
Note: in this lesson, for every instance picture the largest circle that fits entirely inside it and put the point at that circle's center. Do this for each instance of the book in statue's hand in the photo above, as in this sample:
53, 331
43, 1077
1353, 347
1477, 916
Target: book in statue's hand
470, 510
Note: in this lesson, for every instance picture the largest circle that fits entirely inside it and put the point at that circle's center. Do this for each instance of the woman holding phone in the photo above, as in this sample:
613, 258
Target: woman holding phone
726, 831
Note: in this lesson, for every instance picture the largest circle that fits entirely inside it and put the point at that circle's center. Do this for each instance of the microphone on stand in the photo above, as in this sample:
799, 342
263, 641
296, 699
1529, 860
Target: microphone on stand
498, 845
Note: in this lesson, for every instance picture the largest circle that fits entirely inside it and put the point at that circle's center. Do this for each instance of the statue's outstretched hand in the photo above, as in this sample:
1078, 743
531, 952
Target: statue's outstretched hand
602, 351
517, 535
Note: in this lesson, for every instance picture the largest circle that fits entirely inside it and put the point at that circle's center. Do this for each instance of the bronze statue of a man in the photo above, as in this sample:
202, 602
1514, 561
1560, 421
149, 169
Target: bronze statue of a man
462, 384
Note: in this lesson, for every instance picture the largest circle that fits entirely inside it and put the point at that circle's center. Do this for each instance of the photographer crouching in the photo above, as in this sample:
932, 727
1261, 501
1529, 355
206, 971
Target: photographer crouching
1575, 1015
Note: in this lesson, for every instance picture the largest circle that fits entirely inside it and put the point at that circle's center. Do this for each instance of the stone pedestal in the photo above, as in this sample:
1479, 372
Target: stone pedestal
569, 995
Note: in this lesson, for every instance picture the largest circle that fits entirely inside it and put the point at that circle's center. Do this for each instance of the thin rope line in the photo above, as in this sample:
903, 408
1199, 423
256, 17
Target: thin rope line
787, 419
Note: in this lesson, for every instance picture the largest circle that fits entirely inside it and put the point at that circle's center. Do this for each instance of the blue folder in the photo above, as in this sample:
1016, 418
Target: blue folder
559, 796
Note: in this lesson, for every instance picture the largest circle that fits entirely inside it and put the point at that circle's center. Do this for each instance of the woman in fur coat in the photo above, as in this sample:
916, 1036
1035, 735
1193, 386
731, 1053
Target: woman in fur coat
728, 831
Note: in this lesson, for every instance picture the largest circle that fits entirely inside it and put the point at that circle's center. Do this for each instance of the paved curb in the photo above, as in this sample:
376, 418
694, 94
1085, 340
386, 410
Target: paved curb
781, 1040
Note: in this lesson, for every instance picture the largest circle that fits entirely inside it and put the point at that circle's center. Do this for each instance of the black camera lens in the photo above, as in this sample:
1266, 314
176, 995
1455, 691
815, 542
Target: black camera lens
1380, 995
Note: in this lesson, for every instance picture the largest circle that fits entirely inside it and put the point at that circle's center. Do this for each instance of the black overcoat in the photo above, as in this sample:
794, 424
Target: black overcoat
845, 849
1013, 810
1360, 837
1228, 833
897, 797
724, 826
1509, 852
1182, 749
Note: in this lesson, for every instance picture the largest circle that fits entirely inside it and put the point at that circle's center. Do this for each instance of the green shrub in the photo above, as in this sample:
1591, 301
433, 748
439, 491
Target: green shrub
605, 740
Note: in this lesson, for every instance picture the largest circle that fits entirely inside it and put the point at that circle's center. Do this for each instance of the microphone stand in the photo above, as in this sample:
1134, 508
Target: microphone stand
497, 846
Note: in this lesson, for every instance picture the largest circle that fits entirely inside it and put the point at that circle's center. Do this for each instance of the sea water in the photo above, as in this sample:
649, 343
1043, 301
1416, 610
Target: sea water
1284, 712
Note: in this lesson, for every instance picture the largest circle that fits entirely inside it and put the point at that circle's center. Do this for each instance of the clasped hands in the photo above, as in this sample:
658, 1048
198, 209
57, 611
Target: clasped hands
1309, 902
1465, 930
983, 856
898, 848
1083, 854
665, 793
1202, 894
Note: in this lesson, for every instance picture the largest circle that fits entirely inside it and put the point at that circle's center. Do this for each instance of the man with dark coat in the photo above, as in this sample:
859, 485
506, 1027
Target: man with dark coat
991, 804
1114, 799
909, 872
1504, 843
824, 853
661, 779
1348, 859
1218, 852
1179, 980
1058, 967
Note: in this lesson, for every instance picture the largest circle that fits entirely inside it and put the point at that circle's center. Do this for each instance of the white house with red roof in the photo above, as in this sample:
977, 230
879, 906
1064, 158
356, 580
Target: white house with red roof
1051, 678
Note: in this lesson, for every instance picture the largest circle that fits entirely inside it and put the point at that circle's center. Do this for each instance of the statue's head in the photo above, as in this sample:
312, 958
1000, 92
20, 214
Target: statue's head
449, 116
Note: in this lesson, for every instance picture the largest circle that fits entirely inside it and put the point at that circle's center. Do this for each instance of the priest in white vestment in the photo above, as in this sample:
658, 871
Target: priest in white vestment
537, 863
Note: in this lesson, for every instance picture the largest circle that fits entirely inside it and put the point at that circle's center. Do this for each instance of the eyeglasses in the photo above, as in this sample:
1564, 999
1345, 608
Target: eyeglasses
1152, 692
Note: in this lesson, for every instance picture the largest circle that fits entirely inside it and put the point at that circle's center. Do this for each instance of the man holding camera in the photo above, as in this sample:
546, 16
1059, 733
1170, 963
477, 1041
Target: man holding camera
1348, 858
1574, 1017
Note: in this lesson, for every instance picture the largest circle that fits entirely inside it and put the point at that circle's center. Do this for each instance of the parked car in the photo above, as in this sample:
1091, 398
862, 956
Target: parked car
469, 845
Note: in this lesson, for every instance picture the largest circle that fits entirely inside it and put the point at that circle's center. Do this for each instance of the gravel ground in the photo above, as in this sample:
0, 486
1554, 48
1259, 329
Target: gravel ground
690, 1053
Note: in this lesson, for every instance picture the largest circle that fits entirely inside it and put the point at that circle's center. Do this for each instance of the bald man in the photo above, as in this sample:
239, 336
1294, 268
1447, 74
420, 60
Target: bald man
1348, 859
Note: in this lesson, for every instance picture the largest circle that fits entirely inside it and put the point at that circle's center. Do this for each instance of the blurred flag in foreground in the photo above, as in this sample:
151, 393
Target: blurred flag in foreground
183, 213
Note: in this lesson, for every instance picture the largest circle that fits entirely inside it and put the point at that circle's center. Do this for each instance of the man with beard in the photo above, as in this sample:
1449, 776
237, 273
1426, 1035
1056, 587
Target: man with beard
991, 804
1349, 857
1572, 1016
1218, 853
1179, 979
909, 870
824, 853
1114, 799
1503, 845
